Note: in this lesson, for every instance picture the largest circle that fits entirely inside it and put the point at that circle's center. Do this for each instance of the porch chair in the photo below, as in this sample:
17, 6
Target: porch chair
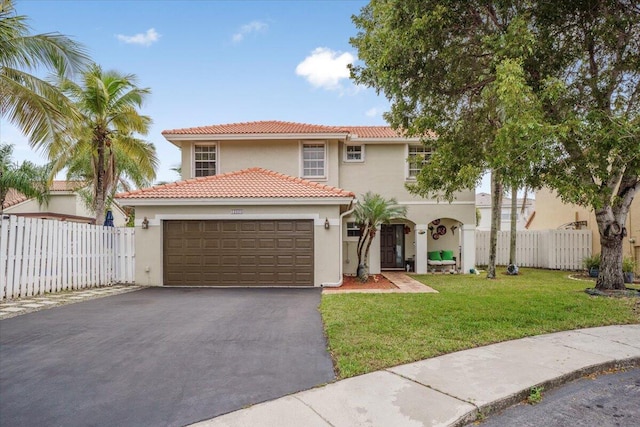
441, 259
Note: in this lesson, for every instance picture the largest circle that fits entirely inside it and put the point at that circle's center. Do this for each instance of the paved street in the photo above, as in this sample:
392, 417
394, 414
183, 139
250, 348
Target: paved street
159, 356
609, 400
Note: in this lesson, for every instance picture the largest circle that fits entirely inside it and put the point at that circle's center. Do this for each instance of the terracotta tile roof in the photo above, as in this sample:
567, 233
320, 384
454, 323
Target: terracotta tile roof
372, 132
243, 184
14, 197
262, 127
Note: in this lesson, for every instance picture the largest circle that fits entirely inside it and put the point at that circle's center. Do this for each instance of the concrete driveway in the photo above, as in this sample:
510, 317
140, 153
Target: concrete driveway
160, 356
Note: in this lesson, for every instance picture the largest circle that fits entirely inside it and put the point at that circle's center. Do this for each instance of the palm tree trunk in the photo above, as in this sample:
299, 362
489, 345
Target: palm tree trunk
99, 140
496, 207
514, 232
364, 273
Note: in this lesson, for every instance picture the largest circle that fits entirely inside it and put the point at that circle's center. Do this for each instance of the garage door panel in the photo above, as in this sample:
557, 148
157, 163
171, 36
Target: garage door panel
266, 226
238, 253
302, 243
247, 243
284, 243
303, 261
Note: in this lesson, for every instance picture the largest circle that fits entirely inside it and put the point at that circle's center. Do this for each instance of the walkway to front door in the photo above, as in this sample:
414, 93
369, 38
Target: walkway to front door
392, 246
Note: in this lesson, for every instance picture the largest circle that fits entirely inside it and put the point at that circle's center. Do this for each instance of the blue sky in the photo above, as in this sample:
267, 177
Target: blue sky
210, 62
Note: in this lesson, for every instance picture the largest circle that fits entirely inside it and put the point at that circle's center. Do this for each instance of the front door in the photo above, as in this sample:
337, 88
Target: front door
392, 246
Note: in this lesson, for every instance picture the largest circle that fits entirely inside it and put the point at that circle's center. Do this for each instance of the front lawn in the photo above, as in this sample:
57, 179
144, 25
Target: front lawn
368, 332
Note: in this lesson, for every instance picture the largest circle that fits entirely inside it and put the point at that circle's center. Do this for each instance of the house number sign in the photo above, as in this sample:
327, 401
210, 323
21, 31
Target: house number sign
236, 211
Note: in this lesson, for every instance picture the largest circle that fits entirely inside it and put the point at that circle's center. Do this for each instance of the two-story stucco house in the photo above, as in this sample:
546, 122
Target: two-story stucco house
269, 204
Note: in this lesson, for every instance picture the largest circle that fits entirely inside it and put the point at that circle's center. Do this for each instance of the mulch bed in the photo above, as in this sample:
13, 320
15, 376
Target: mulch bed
376, 281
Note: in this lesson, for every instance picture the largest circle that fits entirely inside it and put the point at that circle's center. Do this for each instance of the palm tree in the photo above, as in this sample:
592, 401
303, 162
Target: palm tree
25, 178
107, 103
371, 212
35, 106
128, 165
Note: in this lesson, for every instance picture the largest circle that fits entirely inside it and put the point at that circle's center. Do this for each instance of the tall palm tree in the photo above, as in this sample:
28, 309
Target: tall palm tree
35, 106
25, 178
128, 165
371, 212
108, 103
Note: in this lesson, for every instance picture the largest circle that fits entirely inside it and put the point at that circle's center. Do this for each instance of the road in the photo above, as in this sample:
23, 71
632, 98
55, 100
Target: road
608, 400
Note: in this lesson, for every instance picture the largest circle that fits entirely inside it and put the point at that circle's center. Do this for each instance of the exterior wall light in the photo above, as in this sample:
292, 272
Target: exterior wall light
326, 224
145, 223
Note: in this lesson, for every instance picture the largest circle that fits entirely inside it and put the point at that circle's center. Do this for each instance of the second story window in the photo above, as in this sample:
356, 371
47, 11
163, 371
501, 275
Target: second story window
205, 160
418, 156
314, 160
354, 153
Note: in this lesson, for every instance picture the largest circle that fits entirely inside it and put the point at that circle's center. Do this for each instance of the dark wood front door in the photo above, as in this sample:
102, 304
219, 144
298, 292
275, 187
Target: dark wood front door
392, 246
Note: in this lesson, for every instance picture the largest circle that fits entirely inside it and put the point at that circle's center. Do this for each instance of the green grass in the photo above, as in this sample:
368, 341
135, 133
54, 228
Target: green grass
367, 332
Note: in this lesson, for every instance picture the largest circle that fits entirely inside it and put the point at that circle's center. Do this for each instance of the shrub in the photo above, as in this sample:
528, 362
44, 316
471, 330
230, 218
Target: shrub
628, 265
591, 261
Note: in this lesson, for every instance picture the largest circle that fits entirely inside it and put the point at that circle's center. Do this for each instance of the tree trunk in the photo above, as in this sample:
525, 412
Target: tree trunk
496, 207
514, 224
611, 221
365, 271
99, 140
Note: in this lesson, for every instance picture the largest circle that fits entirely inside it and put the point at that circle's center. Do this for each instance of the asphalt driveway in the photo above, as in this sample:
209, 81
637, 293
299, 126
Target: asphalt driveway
160, 356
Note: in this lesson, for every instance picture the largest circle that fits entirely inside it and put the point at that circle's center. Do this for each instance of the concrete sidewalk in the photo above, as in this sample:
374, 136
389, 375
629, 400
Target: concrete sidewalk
450, 390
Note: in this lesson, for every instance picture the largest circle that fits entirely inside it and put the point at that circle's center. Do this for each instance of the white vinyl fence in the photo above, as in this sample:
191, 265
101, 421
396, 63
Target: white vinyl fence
39, 255
553, 249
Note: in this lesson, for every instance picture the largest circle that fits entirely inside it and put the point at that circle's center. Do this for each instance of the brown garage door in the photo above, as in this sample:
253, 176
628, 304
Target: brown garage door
238, 253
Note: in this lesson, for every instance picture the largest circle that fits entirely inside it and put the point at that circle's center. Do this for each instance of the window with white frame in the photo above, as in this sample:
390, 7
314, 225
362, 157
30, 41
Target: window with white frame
353, 230
354, 153
314, 160
205, 160
418, 156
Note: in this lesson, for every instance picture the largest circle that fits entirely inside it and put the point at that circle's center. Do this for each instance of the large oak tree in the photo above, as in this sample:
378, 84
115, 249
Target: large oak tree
539, 92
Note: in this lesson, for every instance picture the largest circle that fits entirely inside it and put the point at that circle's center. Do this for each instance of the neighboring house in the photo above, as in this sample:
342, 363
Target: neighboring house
483, 204
552, 213
269, 203
64, 204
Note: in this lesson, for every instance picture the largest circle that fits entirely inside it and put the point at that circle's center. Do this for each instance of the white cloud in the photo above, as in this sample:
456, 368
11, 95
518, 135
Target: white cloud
325, 68
251, 27
372, 112
143, 39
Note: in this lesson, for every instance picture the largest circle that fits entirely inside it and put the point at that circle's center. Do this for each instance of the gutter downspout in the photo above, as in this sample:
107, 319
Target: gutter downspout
339, 282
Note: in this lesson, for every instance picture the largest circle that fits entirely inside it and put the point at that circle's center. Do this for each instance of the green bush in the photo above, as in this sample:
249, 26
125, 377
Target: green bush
628, 265
591, 261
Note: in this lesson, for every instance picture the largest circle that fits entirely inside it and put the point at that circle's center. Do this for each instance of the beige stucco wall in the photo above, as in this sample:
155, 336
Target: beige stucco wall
149, 259
282, 156
384, 171
58, 203
552, 213
65, 204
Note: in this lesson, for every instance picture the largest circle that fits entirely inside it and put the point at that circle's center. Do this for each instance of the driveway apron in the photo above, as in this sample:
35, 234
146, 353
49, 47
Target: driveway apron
160, 356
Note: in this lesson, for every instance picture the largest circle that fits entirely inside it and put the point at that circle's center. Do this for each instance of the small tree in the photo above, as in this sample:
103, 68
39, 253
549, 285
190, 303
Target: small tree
371, 212
25, 178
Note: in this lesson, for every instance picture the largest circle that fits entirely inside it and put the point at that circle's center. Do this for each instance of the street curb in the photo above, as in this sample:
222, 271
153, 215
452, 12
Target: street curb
499, 405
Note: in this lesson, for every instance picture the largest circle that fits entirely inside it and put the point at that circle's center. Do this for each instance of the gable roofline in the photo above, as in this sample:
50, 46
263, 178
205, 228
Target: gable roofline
274, 129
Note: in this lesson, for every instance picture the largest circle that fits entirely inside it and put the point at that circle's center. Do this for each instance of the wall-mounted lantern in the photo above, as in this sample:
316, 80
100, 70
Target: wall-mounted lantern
145, 223
326, 224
